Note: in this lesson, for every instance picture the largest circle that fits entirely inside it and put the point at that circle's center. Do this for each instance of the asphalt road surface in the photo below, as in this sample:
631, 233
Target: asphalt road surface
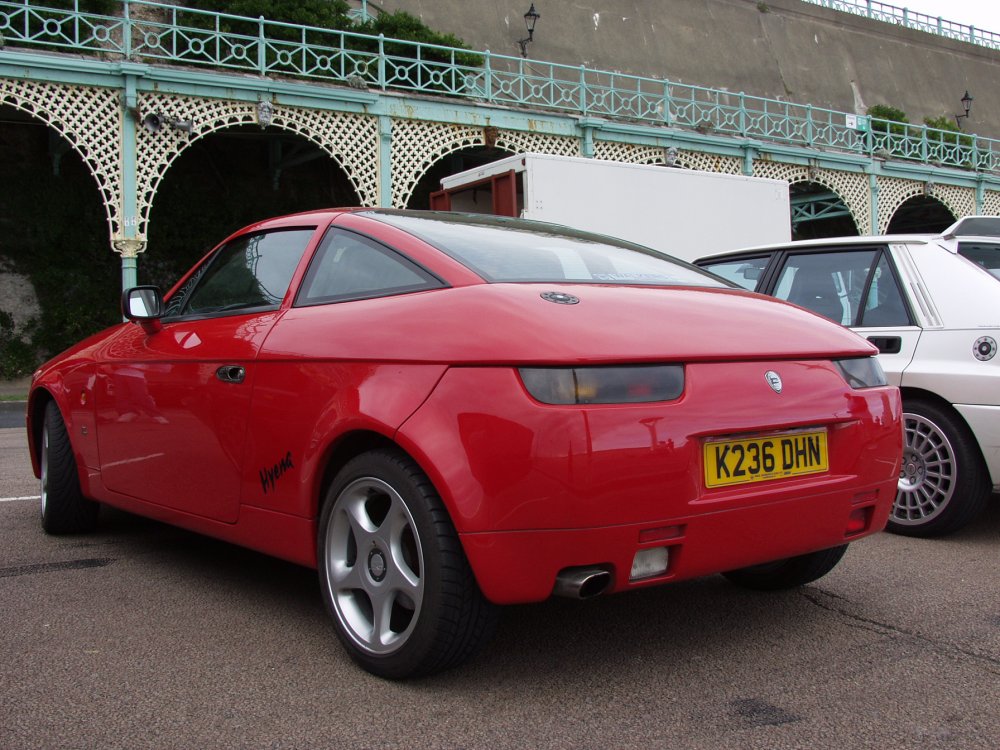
11, 414
145, 636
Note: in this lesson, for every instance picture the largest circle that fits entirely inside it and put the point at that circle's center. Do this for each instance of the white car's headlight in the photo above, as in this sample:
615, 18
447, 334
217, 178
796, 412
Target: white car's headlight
861, 372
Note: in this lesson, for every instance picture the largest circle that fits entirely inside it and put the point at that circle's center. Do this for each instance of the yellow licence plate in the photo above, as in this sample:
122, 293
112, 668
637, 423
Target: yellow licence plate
762, 458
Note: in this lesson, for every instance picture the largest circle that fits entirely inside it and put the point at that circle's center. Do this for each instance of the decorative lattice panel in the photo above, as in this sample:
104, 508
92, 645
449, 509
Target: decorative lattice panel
631, 153
961, 201
351, 140
851, 188
538, 143
776, 170
712, 162
894, 192
991, 203
418, 145
90, 119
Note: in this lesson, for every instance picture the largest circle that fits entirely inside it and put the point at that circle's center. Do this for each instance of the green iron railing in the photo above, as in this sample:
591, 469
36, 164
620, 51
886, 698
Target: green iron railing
161, 33
912, 20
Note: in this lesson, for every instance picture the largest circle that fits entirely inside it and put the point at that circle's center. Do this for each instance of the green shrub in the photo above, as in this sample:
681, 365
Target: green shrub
888, 119
404, 26
324, 14
952, 133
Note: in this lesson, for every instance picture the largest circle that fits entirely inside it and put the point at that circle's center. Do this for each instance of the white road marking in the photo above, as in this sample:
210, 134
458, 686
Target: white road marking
15, 499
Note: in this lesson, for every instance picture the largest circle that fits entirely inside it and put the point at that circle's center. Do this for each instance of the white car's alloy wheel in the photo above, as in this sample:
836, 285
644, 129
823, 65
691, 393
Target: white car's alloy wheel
927, 475
943, 481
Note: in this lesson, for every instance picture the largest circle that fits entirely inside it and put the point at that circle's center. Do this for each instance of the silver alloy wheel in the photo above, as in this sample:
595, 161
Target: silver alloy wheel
44, 466
927, 476
374, 566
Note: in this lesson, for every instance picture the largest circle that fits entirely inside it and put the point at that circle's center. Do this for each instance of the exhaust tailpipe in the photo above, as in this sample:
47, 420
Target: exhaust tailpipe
582, 583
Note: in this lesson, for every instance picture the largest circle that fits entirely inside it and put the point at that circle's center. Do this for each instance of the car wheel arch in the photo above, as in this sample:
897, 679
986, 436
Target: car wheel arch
958, 489
37, 403
341, 450
911, 394
351, 444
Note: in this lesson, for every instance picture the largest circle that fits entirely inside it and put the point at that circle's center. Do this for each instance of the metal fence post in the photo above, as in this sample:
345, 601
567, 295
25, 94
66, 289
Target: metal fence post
127, 30
488, 76
261, 51
381, 61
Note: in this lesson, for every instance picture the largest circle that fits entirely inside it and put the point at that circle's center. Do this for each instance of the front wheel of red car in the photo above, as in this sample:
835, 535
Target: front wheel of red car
790, 572
64, 508
392, 571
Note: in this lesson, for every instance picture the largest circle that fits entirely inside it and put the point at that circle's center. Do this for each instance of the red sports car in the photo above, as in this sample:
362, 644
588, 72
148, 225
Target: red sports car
445, 412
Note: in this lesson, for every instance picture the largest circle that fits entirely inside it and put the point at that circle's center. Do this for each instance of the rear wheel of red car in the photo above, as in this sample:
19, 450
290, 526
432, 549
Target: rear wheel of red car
64, 508
943, 482
392, 571
790, 572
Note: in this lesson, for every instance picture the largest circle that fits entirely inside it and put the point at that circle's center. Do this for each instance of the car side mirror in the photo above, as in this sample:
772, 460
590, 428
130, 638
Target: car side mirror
143, 305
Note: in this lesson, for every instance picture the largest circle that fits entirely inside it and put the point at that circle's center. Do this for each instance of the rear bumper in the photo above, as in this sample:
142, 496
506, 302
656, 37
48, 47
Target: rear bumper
534, 489
521, 566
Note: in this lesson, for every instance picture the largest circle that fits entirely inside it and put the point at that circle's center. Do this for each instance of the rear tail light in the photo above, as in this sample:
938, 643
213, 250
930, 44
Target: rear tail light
628, 384
861, 372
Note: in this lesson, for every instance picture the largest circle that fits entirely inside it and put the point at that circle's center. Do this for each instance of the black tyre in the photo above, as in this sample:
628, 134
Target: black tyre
64, 508
943, 481
790, 572
392, 571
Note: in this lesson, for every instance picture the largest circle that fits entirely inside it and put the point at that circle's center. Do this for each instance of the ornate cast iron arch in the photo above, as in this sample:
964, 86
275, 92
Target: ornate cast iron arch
894, 192
851, 188
350, 140
417, 146
89, 118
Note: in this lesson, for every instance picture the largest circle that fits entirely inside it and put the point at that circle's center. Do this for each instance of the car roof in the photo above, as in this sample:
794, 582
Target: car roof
983, 228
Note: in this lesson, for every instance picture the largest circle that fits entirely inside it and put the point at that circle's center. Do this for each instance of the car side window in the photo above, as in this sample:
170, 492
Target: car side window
884, 304
250, 273
349, 266
982, 254
829, 283
745, 272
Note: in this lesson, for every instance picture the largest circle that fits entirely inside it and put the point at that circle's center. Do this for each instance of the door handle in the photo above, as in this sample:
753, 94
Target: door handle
231, 374
887, 344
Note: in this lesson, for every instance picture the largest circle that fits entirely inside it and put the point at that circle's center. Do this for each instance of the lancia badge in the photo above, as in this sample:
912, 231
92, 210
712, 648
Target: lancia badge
774, 380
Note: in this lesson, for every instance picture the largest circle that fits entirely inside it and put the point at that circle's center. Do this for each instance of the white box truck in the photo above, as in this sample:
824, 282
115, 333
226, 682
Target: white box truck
680, 212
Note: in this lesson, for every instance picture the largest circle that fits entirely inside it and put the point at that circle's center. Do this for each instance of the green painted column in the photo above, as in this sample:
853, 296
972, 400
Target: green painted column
873, 187
385, 161
127, 241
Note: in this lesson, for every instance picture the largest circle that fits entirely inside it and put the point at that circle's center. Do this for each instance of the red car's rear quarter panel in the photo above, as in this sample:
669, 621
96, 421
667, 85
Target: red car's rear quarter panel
304, 407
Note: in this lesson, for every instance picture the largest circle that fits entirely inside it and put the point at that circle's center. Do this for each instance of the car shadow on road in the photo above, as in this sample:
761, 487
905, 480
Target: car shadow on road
702, 627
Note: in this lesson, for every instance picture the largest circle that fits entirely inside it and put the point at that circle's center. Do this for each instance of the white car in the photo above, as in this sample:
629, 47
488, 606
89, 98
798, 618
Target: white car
931, 304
